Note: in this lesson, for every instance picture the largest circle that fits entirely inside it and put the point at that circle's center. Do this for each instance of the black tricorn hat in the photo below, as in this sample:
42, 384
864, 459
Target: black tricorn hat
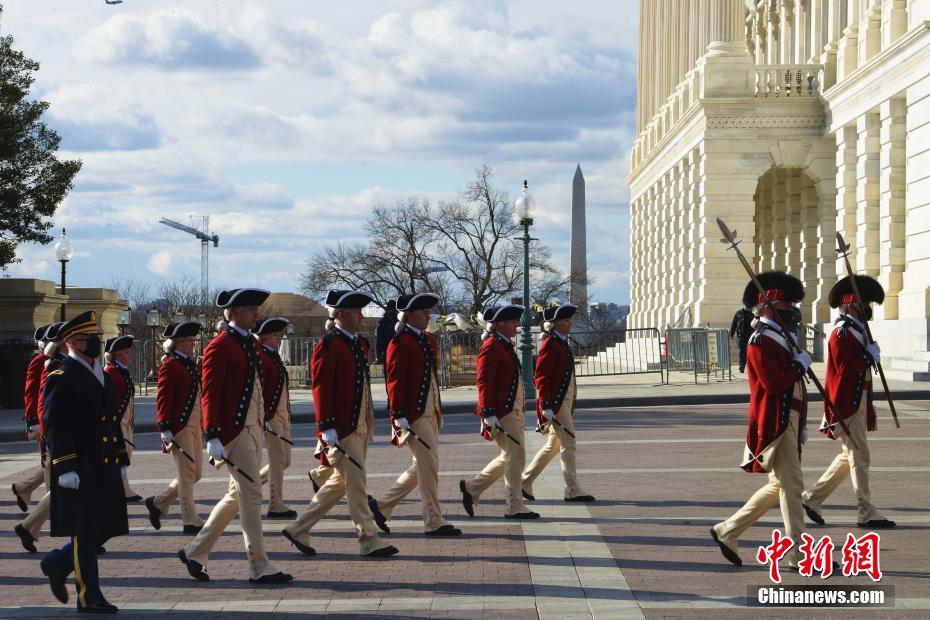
40, 332
119, 343
182, 330
778, 286
417, 301
869, 288
508, 312
271, 326
557, 313
346, 300
237, 297
51, 332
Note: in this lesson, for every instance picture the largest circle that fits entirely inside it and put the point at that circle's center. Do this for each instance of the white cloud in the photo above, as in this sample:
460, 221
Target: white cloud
160, 263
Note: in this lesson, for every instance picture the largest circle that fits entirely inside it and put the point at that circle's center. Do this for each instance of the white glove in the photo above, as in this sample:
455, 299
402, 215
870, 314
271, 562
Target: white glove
804, 359
268, 426
124, 473
804, 435
32, 432
331, 437
69, 480
402, 423
549, 414
492, 421
215, 448
167, 436
874, 352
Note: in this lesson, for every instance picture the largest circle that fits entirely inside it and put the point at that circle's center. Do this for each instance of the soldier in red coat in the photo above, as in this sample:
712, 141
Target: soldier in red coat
178, 413
777, 415
341, 386
277, 414
233, 410
416, 413
23, 489
850, 359
555, 384
118, 354
501, 403
29, 528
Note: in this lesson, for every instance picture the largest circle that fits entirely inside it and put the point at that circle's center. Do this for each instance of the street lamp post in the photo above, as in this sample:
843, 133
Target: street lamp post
123, 319
153, 320
524, 212
63, 252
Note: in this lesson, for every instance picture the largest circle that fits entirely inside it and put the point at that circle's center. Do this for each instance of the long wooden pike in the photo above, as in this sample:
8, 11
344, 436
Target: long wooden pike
729, 238
172, 444
842, 249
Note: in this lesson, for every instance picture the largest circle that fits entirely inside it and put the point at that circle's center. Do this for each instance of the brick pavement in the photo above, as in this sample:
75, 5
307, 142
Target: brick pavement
662, 476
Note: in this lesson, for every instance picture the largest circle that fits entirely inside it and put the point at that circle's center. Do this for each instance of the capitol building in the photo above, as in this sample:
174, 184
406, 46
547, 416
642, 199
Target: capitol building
792, 120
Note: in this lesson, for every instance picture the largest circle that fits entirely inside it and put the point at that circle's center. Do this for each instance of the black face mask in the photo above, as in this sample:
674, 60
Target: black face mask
92, 347
791, 318
868, 313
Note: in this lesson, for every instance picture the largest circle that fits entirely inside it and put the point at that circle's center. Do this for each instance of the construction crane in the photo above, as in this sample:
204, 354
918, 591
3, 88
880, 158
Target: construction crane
205, 239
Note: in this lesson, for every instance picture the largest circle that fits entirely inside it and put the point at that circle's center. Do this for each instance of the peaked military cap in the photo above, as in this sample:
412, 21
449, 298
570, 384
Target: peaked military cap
238, 297
869, 288
345, 300
778, 286
557, 313
84, 323
182, 330
119, 343
417, 301
508, 312
271, 326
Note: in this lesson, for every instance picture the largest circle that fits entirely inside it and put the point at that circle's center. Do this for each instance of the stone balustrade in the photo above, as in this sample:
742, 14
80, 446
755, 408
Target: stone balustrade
788, 80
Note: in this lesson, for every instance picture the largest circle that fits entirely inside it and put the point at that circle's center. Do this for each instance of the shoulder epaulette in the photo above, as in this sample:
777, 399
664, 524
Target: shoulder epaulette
56, 372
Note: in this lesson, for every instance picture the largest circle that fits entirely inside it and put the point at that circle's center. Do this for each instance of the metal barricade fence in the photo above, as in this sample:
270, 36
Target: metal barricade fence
699, 350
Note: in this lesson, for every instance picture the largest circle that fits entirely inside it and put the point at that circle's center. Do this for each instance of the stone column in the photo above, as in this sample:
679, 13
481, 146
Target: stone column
777, 251
693, 242
846, 183
848, 54
870, 31
827, 220
763, 221
793, 225
809, 271
914, 300
894, 20
679, 198
828, 56
867, 193
892, 186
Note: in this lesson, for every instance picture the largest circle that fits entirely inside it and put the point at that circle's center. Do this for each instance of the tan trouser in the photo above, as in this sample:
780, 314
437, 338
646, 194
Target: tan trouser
39, 515
346, 480
320, 474
558, 441
279, 459
190, 438
850, 462
423, 472
786, 482
242, 496
127, 424
508, 463
26, 486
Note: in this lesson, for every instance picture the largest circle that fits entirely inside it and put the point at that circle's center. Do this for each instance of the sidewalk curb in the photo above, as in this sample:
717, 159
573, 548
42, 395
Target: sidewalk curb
582, 403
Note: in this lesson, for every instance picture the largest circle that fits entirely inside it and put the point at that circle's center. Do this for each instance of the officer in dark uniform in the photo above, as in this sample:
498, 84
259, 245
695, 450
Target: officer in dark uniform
87, 456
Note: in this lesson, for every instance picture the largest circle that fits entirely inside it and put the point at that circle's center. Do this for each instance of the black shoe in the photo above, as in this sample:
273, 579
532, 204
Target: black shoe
529, 514
98, 607
101, 550
56, 581
445, 530
384, 552
133, 498
26, 538
466, 499
192, 529
313, 483
193, 567
378, 515
728, 553
154, 513
20, 501
284, 514
305, 549
580, 498
276, 578
813, 516
527, 496
878, 524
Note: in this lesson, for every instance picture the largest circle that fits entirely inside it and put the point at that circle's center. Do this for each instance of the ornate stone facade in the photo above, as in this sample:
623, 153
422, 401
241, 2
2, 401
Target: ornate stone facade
791, 119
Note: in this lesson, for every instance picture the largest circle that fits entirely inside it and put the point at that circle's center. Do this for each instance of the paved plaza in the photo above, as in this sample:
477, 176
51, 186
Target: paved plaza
662, 476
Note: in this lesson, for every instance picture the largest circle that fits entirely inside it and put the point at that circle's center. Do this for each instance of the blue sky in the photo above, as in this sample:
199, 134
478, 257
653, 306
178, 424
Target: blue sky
286, 121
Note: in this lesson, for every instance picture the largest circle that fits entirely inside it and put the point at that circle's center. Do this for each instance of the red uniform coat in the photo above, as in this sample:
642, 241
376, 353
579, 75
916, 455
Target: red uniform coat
32, 389
274, 380
555, 366
847, 375
51, 364
772, 375
338, 376
122, 386
410, 365
498, 376
231, 367
178, 390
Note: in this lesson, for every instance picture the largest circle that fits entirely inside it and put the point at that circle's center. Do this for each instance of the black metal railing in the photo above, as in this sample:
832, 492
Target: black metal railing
701, 351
